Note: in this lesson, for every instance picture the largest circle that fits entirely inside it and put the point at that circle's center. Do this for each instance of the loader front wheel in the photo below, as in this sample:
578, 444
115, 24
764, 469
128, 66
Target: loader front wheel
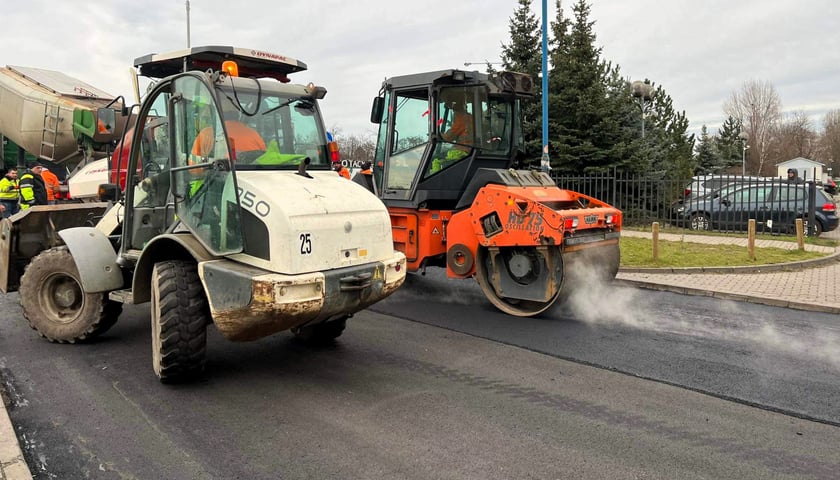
179, 322
55, 304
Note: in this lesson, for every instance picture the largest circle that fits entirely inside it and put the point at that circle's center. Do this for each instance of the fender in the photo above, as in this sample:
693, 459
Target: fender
169, 246
95, 259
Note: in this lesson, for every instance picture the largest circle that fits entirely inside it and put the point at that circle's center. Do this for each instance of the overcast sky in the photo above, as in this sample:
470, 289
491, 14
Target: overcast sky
699, 51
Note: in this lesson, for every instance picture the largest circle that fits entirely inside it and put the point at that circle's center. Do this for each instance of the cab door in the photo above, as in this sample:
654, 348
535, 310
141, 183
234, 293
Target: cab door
203, 182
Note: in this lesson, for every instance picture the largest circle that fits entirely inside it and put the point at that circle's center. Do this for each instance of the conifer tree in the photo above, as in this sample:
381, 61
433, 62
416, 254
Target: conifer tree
729, 144
707, 159
594, 123
585, 130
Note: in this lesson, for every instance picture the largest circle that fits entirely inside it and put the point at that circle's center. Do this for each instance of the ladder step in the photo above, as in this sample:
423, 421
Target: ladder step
47, 144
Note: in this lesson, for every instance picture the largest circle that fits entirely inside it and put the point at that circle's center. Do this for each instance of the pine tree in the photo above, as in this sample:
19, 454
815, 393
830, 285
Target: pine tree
729, 144
594, 122
524, 54
707, 159
585, 128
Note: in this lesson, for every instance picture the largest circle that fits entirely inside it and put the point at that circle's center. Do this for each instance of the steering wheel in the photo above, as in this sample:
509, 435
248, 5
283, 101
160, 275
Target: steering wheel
151, 168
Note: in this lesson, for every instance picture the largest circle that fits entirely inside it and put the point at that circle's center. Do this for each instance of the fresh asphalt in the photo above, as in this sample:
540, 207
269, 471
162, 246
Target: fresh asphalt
811, 286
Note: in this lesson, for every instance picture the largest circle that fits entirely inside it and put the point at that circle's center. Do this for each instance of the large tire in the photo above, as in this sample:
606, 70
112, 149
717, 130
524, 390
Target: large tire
55, 305
321, 333
179, 322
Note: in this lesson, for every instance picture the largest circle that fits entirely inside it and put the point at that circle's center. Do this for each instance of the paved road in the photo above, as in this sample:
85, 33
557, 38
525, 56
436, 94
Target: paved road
398, 399
810, 289
755, 354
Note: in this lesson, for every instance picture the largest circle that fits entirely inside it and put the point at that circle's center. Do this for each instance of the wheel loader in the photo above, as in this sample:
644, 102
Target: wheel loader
447, 148
254, 238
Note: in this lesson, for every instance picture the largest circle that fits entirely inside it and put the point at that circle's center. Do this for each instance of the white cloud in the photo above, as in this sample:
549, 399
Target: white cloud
698, 51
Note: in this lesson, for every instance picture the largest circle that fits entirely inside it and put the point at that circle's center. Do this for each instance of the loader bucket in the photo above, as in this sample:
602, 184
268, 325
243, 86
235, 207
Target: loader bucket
31, 231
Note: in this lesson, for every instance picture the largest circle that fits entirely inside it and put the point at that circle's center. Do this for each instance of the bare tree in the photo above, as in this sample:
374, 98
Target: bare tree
794, 137
829, 152
757, 107
354, 147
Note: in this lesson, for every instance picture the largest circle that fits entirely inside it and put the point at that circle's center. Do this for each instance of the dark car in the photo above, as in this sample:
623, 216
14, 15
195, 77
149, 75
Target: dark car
703, 185
774, 206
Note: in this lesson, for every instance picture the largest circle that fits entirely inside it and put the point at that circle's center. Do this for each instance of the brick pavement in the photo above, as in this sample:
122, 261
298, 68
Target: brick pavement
812, 285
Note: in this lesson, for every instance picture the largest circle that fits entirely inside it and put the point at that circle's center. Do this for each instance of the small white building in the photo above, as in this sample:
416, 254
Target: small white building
806, 169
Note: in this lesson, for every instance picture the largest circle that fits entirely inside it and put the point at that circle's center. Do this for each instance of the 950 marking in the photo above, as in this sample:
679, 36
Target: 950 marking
250, 201
306, 243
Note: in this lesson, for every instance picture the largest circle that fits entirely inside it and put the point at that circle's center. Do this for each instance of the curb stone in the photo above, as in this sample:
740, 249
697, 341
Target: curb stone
773, 267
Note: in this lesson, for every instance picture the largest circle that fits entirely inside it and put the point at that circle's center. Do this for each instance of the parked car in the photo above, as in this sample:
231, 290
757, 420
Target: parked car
702, 185
774, 205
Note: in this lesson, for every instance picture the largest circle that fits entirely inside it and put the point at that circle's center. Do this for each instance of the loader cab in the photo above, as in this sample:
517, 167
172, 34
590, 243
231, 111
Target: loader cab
184, 151
437, 129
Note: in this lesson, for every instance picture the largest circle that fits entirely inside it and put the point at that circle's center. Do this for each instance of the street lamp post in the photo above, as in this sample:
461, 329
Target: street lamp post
643, 93
744, 138
545, 160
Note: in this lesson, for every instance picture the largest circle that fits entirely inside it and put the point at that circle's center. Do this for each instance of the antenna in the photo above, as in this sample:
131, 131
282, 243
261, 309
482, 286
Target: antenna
485, 62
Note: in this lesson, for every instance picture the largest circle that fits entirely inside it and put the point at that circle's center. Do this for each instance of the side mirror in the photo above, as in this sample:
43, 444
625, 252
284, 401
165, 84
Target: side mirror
376, 110
109, 192
106, 119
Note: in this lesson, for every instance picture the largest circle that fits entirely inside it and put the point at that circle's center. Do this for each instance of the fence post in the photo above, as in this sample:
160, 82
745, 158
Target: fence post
751, 239
800, 234
655, 231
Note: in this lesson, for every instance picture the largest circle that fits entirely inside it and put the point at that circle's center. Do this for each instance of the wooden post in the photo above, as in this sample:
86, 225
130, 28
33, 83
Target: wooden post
800, 234
751, 239
655, 231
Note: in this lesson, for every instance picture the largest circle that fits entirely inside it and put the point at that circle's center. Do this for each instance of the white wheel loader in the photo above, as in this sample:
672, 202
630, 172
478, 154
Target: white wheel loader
255, 234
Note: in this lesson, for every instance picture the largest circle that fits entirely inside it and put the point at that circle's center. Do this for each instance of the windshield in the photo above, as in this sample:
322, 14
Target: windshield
272, 131
468, 121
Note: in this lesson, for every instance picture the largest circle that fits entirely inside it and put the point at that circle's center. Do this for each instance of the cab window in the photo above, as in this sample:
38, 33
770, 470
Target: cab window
204, 185
410, 138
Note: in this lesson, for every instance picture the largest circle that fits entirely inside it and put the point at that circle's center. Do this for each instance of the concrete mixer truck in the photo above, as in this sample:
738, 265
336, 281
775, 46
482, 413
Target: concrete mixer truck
63, 122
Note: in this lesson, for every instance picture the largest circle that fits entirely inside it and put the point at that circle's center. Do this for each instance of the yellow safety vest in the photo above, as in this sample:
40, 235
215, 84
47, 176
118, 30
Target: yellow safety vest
8, 189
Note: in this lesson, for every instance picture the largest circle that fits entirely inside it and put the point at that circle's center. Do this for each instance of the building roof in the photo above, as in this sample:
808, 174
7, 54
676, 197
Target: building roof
800, 160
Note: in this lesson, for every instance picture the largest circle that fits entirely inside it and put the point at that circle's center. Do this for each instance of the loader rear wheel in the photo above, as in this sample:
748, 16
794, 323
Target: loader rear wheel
522, 269
55, 305
179, 322
321, 333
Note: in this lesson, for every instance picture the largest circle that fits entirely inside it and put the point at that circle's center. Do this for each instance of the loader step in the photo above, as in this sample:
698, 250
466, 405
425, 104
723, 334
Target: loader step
125, 296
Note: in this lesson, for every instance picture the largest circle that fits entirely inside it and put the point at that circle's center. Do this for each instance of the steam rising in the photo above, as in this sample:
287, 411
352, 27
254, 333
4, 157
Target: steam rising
602, 304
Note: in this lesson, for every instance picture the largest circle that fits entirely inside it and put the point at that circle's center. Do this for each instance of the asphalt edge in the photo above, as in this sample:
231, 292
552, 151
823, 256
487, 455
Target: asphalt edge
12, 464
773, 302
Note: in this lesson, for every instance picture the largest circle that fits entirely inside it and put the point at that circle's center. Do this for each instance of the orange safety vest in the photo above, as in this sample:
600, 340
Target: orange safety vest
242, 137
51, 183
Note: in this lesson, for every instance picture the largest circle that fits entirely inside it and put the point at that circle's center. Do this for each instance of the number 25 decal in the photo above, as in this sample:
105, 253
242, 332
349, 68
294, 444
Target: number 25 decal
305, 244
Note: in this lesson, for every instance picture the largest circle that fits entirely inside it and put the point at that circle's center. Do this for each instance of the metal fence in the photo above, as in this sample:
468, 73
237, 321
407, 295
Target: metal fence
642, 199
712, 202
